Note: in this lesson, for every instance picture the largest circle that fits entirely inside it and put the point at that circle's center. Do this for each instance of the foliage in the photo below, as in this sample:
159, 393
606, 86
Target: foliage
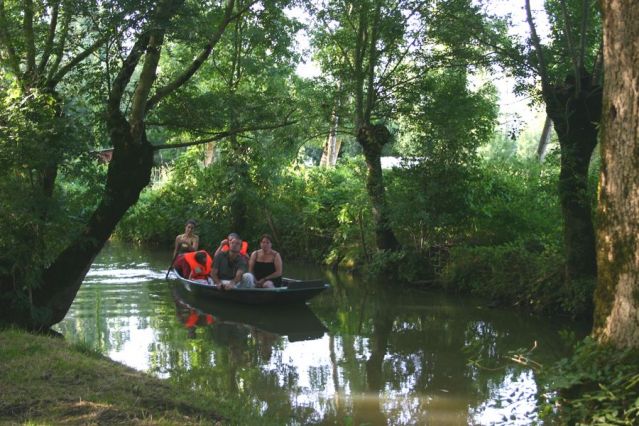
507, 242
35, 225
311, 212
598, 385
511, 273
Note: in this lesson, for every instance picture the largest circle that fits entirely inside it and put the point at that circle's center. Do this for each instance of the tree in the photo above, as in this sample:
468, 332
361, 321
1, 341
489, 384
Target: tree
41, 294
376, 51
570, 87
616, 318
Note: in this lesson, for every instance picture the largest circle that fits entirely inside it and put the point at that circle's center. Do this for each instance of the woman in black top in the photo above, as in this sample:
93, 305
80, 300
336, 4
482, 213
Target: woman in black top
266, 264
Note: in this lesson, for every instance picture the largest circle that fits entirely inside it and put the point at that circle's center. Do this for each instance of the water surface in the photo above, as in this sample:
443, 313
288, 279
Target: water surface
360, 353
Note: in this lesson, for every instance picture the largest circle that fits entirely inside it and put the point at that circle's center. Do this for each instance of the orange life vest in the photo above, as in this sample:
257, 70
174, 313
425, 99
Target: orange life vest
198, 271
243, 250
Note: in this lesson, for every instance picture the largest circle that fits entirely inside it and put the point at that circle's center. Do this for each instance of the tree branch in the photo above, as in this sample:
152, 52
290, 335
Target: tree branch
180, 80
372, 63
582, 44
339, 46
75, 61
29, 41
145, 82
48, 46
124, 75
62, 39
574, 55
14, 62
222, 135
543, 70
360, 49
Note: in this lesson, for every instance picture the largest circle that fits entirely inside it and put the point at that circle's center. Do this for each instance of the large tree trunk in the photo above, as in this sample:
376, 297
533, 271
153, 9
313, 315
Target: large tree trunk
372, 138
616, 318
575, 118
129, 172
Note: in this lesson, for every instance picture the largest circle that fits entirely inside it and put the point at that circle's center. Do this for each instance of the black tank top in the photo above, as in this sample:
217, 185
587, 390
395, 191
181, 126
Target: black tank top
264, 269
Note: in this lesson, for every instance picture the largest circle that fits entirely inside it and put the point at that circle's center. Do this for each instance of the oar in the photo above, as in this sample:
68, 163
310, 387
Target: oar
170, 266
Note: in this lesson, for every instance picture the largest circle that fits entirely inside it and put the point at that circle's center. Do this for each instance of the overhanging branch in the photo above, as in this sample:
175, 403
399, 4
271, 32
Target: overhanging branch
222, 135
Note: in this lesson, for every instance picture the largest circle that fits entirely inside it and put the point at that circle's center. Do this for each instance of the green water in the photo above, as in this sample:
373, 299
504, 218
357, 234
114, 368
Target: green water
360, 353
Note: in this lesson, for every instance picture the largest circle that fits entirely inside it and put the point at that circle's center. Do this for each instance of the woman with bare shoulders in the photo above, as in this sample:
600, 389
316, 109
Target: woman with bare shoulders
266, 264
188, 241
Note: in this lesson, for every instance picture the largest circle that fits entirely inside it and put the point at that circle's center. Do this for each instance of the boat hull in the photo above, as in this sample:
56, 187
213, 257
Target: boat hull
291, 292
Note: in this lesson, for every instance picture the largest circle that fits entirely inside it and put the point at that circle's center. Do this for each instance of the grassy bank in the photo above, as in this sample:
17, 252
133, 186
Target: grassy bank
45, 380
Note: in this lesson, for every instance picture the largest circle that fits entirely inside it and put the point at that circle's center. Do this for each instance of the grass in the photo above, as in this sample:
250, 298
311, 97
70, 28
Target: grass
45, 380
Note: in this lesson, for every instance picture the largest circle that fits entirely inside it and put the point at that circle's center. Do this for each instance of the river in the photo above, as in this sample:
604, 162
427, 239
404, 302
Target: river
360, 353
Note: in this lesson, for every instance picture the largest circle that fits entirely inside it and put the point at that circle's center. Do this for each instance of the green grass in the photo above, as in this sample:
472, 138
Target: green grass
45, 380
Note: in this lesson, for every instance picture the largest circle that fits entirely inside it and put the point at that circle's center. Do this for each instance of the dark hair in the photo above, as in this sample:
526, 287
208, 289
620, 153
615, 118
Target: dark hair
192, 222
267, 236
234, 235
200, 257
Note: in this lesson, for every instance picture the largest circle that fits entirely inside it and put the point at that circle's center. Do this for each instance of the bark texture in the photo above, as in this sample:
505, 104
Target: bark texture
372, 138
616, 318
576, 115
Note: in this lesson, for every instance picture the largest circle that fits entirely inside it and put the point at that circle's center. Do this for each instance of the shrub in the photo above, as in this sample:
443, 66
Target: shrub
598, 385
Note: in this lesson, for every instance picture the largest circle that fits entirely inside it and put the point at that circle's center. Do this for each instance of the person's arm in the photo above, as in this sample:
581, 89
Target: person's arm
278, 266
196, 242
238, 277
241, 269
177, 244
218, 250
215, 277
215, 272
251, 265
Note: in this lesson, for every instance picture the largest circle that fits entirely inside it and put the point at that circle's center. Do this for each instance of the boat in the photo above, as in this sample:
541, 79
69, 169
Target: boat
295, 321
292, 291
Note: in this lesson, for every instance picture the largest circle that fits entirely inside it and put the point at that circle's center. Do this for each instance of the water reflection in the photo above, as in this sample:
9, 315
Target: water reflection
361, 353
297, 322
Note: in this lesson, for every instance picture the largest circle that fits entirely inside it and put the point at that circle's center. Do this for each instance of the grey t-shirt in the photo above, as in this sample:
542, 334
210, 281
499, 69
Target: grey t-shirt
227, 268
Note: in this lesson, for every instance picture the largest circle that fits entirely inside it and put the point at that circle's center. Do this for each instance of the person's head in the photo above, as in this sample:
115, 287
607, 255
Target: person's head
189, 226
200, 257
266, 241
233, 236
235, 245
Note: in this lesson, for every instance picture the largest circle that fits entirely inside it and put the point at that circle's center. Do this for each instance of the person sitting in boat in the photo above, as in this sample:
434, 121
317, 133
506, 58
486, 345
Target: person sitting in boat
224, 245
187, 242
199, 265
229, 267
265, 265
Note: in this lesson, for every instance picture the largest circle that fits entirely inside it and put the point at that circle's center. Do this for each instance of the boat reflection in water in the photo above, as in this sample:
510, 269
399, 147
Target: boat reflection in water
297, 321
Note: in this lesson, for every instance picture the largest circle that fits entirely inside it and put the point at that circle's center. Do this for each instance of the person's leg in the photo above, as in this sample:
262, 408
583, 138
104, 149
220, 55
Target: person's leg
248, 281
268, 284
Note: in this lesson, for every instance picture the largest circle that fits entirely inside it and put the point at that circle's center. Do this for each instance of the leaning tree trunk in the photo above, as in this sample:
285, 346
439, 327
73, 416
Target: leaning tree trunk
616, 318
372, 138
129, 172
575, 119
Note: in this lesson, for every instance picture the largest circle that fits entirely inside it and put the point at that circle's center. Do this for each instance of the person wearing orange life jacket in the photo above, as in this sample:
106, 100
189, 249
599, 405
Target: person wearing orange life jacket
199, 264
224, 245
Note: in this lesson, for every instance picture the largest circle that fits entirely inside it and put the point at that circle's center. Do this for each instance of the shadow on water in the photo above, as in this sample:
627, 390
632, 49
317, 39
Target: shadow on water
361, 353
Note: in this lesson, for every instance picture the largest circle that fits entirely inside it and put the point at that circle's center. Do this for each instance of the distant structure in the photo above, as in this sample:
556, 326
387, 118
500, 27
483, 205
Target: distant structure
103, 155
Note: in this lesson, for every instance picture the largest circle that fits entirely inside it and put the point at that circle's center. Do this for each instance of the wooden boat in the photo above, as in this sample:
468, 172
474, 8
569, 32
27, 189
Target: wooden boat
292, 291
296, 321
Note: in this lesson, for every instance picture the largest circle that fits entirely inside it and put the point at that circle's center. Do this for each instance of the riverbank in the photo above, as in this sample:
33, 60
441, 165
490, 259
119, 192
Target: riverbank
45, 380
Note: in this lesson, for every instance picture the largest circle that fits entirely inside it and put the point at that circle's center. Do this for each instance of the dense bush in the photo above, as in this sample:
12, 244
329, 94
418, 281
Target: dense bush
598, 385
313, 213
